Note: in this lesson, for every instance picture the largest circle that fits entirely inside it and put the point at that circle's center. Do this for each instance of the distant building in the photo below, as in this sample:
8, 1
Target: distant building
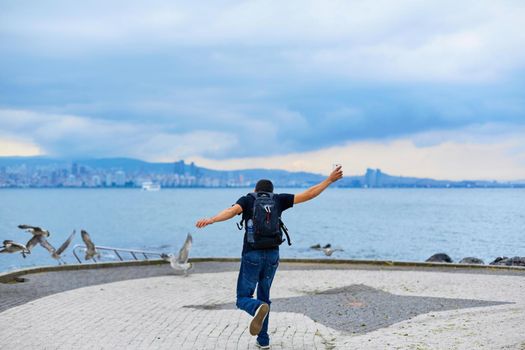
95, 180
379, 178
193, 169
179, 167
370, 178
374, 178
74, 169
120, 178
71, 181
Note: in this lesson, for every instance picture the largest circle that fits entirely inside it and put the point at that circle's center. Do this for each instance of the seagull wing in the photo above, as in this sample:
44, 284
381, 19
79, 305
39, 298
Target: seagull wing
19, 245
34, 230
66, 244
32, 242
29, 227
44, 243
184, 252
87, 240
328, 251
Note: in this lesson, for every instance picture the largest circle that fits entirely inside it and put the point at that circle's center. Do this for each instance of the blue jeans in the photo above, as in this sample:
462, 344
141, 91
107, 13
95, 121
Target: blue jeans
257, 270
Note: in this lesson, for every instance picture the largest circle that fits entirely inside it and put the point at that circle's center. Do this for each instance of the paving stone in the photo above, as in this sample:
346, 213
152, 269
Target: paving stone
154, 309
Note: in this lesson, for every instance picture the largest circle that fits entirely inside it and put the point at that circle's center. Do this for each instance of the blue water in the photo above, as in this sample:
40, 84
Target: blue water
398, 224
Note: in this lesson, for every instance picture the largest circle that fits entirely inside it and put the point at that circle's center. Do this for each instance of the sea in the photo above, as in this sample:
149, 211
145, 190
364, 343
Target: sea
391, 224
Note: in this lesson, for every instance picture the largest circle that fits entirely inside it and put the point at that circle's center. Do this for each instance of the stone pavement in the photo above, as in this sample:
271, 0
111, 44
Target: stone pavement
314, 307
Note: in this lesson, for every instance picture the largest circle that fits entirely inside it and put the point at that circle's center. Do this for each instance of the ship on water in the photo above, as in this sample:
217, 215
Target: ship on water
150, 186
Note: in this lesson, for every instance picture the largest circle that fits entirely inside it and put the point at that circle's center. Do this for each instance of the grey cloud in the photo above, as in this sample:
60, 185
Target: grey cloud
402, 41
67, 135
238, 79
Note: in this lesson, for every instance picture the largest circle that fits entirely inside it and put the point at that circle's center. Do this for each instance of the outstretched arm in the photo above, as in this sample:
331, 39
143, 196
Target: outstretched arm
224, 215
314, 191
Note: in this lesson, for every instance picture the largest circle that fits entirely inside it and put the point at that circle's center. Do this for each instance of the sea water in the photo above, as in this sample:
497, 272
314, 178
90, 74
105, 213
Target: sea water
393, 224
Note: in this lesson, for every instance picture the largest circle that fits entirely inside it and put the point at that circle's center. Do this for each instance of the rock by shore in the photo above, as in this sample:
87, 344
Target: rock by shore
501, 261
514, 261
440, 257
472, 260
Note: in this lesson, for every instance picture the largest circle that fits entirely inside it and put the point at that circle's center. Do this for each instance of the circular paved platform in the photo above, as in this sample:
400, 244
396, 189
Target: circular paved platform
314, 307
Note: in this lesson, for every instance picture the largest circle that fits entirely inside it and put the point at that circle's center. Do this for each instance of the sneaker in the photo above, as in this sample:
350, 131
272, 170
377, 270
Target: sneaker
258, 319
259, 346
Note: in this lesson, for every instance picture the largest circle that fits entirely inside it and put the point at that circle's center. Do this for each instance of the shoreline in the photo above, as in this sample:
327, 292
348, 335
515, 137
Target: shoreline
6, 275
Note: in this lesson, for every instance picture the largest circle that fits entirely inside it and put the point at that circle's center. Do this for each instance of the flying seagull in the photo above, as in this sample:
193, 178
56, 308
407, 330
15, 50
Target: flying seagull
35, 230
33, 242
91, 251
180, 262
13, 247
55, 253
328, 251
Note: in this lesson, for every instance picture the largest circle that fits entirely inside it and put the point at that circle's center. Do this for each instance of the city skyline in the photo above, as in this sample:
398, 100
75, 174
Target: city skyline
41, 172
427, 90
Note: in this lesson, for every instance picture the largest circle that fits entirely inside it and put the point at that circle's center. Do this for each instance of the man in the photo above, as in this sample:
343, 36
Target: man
258, 264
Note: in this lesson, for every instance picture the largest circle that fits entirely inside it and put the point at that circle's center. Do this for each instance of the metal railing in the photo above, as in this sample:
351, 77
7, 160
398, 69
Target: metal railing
112, 253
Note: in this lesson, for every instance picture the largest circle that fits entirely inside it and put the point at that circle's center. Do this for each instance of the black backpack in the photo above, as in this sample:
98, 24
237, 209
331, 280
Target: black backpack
264, 229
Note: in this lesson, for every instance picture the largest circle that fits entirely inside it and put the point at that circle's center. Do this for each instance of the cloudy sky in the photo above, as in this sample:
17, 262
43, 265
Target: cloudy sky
415, 88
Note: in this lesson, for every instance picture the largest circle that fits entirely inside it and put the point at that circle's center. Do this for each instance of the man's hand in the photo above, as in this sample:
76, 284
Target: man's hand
226, 214
314, 191
336, 174
204, 222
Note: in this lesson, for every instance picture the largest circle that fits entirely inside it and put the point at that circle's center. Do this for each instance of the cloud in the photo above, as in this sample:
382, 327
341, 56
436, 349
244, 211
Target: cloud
76, 136
471, 153
402, 41
14, 147
481, 151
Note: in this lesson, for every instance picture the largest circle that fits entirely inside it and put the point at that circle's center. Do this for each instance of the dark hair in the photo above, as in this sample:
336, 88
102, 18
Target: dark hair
264, 186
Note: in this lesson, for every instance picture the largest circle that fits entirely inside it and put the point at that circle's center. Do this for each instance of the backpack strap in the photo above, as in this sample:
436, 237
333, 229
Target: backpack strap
240, 224
256, 195
285, 230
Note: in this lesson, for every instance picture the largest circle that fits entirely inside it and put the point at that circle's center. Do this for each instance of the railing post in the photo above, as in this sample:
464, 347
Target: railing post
76, 256
118, 255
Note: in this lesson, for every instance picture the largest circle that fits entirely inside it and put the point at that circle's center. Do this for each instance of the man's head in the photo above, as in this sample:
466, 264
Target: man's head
264, 186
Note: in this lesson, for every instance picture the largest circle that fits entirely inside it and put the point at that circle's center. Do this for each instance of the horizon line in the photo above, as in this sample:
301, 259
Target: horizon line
74, 159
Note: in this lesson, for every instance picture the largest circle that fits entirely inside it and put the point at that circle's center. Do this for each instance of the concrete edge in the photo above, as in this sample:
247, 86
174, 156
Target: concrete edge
7, 276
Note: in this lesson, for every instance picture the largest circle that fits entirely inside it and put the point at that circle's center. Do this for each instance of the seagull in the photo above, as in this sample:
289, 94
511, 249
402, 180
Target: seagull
180, 262
33, 242
13, 247
328, 251
55, 253
91, 250
36, 231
